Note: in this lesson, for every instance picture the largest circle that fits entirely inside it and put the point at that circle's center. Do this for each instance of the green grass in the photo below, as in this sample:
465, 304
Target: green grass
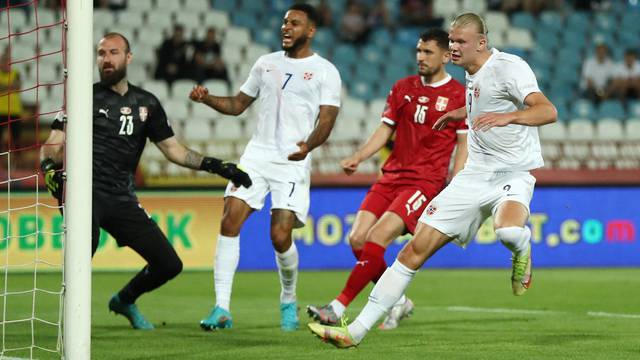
561, 329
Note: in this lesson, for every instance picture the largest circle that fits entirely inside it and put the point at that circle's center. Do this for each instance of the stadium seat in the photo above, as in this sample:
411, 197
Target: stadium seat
634, 109
474, 6
580, 129
137, 73
139, 5
176, 108
551, 151
232, 53
498, 40
324, 37
197, 129
574, 40
578, 21
556, 131
271, 39
221, 149
237, 36
373, 54
407, 37
228, 129
606, 21
245, 20
520, 38
362, 90
130, 19
456, 72
446, 8
202, 111
47, 17
611, 109
632, 129
550, 20
347, 127
159, 88
375, 109
583, 108
497, 20
609, 129
366, 71
254, 51
217, 87
523, 19
216, 19
180, 89
103, 18
381, 37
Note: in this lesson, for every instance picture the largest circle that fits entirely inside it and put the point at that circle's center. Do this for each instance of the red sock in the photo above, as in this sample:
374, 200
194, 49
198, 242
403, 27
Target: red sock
371, 266
357, 253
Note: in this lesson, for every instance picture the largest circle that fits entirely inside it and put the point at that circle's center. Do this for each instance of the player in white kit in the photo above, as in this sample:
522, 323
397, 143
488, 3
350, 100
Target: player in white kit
503, 108
299, 96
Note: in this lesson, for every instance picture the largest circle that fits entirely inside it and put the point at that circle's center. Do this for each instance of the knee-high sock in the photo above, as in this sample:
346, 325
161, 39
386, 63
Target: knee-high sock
227, 257
515, 238
288, 271
385, 294
370, 267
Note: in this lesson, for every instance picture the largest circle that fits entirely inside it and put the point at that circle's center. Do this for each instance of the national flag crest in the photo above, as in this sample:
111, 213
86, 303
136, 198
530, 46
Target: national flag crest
308, 76
441, 103
143, 112
431, 209
476, 92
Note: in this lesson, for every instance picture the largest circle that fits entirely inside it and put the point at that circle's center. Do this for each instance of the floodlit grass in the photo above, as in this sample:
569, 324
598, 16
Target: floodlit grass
460, 314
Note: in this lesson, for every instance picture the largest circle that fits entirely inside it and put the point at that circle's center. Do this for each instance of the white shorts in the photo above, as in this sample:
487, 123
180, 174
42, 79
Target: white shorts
288, 184
471, 197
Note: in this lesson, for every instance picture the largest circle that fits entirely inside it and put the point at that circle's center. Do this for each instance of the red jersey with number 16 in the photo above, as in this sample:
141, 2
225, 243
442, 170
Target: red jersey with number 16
421, 154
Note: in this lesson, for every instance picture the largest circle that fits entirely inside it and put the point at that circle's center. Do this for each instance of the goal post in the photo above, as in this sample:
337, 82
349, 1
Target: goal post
78, 164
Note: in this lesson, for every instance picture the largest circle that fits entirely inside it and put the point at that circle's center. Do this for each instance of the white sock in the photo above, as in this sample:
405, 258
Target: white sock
515, 238
338, 307
288, 270
384, 295
227, 257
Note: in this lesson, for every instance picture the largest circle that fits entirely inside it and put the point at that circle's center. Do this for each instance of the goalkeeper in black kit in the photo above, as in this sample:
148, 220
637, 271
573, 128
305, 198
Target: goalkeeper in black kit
124, 116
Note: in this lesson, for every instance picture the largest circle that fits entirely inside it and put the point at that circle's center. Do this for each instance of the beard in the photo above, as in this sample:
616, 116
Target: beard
296, 44
113, 78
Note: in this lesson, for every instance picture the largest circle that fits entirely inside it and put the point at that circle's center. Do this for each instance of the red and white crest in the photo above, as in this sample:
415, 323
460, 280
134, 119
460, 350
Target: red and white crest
476, 92
308, 76
441, 103
143, 112
431, 209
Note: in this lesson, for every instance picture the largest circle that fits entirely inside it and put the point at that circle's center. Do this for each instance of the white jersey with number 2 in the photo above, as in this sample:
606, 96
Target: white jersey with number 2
500, 86
289, 92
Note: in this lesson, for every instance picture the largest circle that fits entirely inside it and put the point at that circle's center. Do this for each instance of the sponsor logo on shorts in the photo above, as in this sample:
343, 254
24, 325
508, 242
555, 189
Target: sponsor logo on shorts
431, 209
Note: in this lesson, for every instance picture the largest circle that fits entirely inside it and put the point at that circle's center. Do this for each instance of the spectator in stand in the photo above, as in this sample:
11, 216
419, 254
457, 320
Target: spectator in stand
353, 26
10, 103
206, 59
532, 6
110, 4
597, 74
173, 57
626, 78
379, 16
325, 15
418, 13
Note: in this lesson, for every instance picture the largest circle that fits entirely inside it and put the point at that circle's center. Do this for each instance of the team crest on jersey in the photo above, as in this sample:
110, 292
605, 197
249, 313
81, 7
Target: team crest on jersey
441, 103
308, 76
476, 92
143, 112
423, 99
431, 209
125, 110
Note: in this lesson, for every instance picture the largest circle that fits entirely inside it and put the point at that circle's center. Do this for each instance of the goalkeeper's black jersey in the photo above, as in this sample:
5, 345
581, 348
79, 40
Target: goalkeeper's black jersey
121, 126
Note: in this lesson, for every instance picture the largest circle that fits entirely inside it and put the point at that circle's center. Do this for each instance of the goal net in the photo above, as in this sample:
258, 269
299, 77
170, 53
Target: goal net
32, 231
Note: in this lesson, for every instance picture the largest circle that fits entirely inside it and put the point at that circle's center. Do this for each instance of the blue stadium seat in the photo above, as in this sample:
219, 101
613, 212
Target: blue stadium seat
256, 7
550, 20
269, 38
547, 39
374, 54
611, 109
366, 71
225, 5
568, 58
563, 111
630, 21
523, 19
247, 20
407, 37
629, 39
579, 21
605, 21
381, 37
271, 22
345, 54
574, 40
516, 51
602, 37
362, 90
280, 6
324, 37
583, 108
634, 109
456, 72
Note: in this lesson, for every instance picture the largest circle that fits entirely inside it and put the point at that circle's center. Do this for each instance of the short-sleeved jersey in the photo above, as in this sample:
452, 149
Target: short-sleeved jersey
121, 126
421, 154
290, 92
501, 86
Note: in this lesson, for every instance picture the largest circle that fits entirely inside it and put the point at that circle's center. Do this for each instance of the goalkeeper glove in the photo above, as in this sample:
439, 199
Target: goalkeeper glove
52, 178
227, 170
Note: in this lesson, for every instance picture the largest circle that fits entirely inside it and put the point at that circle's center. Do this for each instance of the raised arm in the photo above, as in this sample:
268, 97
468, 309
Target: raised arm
228, 105
326, 119
375, 142
179, 154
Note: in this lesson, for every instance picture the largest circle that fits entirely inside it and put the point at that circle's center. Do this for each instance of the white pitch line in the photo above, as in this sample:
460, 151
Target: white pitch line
502, 310
614, 315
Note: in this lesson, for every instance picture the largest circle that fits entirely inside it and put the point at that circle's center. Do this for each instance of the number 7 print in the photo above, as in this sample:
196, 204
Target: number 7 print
289, 75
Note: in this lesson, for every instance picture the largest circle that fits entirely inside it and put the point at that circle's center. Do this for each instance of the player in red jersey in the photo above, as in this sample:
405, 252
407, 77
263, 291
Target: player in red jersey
414, 173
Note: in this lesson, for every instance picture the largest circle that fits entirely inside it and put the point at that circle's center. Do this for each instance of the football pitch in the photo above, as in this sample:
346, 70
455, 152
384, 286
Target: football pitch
460, 314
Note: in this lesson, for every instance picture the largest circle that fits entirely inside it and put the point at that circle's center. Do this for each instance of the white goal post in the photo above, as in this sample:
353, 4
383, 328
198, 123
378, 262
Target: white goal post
78, 163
